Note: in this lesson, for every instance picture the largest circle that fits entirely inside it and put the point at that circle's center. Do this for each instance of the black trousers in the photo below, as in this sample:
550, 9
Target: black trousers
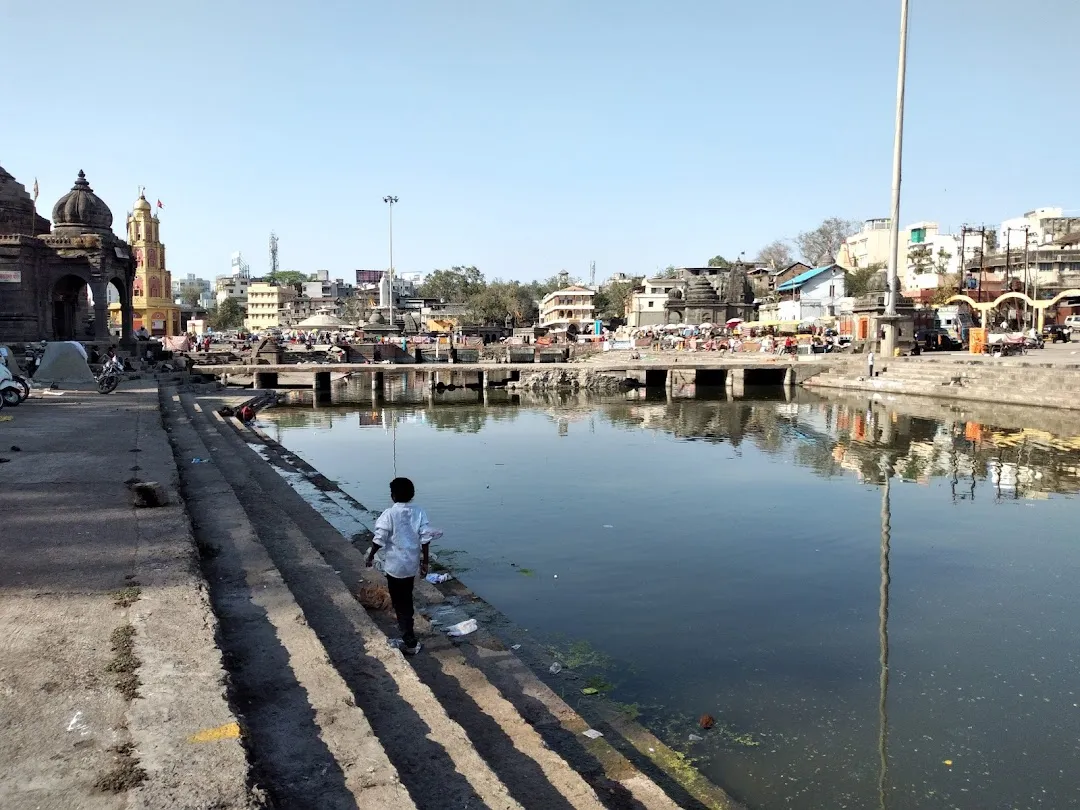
401, 596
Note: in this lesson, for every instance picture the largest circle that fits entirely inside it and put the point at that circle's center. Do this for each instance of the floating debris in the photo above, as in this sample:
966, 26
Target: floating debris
592, 733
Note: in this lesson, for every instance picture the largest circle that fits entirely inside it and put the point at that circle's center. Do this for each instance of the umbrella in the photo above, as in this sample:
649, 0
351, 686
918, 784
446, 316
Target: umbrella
705, 326
733, 321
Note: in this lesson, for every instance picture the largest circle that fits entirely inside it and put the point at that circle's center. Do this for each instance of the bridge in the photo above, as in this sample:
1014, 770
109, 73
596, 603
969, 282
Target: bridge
675, 374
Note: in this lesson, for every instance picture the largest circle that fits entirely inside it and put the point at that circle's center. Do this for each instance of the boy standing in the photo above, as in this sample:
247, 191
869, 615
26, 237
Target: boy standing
403, 530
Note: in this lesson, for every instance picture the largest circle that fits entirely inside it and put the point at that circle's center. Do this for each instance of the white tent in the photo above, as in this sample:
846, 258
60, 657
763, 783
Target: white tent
64, 364
323, 321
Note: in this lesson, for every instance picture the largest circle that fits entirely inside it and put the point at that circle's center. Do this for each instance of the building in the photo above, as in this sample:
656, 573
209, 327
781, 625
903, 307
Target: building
811, 296
870, 246
185, 286
570, 306
267, 301
645, 305
713, 295
153, 306
325, 295
778, 277
928, 259
1044, 226
235, 287
54, 280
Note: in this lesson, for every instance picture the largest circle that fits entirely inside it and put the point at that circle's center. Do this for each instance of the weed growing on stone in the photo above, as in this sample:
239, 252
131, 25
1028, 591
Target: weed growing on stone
125, 775
126, 597
124, 663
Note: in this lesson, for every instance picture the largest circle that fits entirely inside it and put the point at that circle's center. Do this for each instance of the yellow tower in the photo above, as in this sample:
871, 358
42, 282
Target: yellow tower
152, 302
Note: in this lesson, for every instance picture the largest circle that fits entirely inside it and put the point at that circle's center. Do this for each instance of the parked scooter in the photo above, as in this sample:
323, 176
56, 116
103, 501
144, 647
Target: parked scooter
11, 392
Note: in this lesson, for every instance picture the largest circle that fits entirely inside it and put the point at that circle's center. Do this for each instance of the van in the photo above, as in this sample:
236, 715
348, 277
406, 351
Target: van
1073, 322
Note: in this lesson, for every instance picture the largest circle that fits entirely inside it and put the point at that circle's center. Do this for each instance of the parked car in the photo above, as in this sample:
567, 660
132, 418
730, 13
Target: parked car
933, 340
1073, 322
1057, 333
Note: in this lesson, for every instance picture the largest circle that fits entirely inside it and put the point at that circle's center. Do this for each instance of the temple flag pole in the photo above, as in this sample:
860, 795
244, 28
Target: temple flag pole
33, 210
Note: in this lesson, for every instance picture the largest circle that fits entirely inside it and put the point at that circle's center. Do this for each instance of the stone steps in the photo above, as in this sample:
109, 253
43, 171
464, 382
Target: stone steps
441, 730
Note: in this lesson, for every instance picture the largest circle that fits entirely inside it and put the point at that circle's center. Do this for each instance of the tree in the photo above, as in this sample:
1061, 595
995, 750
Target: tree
669, 272
228, 315
857, 281
776, 254
820, 246
287, 277
719, 261
990, 241
455, 285
941, 261
921, 257
947, 287
191, 295
610, 302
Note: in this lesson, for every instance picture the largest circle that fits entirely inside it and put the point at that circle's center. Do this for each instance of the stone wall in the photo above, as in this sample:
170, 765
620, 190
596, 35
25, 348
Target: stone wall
569, 380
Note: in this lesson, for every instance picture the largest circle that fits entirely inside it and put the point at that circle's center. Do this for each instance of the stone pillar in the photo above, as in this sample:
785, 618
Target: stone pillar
483, 379
266, 379
789, 377
377, 384
321, 382
100, 291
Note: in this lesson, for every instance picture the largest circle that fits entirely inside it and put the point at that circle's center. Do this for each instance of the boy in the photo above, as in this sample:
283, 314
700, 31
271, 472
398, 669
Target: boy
403, 530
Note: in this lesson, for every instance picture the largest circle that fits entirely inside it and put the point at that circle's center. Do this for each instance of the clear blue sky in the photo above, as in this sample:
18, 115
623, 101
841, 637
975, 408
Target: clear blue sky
525, 137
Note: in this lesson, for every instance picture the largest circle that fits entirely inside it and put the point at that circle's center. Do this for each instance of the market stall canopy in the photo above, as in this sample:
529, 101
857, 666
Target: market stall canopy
323, 321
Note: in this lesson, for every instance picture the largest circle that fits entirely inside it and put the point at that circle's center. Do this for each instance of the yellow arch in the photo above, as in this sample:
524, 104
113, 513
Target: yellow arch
1060, 295
1039, 306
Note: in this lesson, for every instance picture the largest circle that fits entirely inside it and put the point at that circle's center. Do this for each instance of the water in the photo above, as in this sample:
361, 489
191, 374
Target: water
727, 558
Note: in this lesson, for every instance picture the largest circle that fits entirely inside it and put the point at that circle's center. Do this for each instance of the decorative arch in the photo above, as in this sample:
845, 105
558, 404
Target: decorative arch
68, 307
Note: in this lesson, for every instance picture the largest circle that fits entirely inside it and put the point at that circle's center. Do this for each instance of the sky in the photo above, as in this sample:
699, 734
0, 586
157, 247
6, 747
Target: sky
530, 137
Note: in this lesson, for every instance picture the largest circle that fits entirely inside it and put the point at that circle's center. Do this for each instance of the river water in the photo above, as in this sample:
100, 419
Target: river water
758, 560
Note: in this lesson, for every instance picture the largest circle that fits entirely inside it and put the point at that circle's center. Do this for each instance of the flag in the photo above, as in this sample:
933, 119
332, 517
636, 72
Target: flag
35, 190
159, 205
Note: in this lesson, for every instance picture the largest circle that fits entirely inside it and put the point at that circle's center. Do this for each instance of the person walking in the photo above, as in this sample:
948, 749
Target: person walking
404, 532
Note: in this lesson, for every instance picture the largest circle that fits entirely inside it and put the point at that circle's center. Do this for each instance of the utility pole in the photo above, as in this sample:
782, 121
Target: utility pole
390, 200
889, 342
960, 275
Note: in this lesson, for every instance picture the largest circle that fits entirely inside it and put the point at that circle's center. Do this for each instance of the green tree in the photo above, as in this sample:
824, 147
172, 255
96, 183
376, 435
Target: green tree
228, 315
610, 302
455, 285
287, 277
668, 272
820, 246
719, 261
946, 289
857, 281
921, 257
498, 299
941, 261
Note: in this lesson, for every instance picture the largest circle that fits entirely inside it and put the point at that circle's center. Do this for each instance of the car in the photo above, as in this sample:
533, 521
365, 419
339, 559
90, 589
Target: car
1057, 333
937, 340
1073, 322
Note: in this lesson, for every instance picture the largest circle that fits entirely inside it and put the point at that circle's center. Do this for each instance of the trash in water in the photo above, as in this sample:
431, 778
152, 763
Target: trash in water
706, 721
590, 690
462, 628
592, 733
435, 579
556, 576
515, 647
555, 668
200, 461
696, 738
608, 526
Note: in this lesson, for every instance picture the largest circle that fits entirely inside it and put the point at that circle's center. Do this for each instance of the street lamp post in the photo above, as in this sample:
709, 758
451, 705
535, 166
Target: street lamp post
889, 338
390, 200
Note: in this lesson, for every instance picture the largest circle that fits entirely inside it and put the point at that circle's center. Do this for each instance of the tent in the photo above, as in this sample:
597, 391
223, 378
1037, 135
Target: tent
324, 321
64, 364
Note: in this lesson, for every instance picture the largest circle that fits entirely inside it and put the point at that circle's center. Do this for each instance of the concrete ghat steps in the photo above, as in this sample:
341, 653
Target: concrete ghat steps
433, 756
309, 744
514, 722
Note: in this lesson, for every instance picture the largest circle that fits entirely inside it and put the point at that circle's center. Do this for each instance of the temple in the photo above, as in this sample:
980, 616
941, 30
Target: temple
712, 295
153, 307
54, 280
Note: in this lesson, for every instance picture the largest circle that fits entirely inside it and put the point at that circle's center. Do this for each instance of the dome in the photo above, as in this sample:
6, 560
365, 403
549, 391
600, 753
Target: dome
141, 204
81, 209
699, 291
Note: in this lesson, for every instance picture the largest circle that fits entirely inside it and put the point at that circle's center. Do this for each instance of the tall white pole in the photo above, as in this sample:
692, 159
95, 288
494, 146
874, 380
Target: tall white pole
889, 343
390, 200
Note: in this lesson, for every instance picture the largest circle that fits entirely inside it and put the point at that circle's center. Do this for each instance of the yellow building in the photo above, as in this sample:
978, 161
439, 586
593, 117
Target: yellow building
151, 300
265, 302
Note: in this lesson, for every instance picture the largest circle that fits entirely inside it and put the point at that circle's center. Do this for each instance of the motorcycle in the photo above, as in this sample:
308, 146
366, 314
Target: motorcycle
107, 380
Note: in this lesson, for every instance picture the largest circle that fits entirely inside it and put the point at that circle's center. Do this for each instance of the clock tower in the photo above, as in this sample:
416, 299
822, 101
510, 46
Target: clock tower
152, 301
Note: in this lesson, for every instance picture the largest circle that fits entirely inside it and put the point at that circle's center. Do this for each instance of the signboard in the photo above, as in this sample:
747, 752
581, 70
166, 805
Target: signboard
157, 324
11, 276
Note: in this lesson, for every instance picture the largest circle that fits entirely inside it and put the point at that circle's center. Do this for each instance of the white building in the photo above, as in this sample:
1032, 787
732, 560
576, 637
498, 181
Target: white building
811, 296
646, 307
927, 257
570, 305
181, 287
235, 287
869, 246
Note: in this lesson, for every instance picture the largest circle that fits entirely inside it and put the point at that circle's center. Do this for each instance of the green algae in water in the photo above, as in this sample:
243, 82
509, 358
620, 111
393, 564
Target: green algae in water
528, 572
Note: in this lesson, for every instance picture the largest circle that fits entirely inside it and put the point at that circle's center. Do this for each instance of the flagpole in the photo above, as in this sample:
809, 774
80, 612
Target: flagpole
33, 210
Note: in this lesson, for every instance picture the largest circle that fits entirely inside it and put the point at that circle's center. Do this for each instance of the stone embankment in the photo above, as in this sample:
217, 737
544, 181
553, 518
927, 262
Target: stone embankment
584, 379
1009, 381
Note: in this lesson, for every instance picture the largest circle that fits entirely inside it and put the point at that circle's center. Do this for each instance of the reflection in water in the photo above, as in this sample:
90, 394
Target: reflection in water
732, 557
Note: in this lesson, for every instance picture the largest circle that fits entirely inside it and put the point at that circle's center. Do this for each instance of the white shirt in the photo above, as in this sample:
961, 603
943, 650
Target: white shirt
870, 358
401, 530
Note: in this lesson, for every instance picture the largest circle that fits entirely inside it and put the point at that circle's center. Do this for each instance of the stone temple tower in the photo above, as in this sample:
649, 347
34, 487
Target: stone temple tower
152, 301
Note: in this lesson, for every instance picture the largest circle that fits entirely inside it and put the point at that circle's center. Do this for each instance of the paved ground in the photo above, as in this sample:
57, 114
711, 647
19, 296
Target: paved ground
80, 564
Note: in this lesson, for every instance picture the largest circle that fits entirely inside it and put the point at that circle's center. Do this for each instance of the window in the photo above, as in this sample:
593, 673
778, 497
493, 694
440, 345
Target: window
651, 303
